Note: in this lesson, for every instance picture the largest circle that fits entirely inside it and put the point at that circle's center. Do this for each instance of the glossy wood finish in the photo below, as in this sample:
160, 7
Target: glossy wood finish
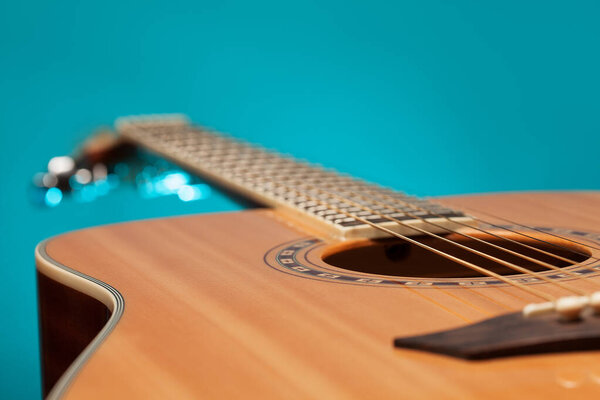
206, 318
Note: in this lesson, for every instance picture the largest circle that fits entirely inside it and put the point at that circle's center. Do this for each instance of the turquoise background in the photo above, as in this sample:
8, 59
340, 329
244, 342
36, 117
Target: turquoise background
430, 97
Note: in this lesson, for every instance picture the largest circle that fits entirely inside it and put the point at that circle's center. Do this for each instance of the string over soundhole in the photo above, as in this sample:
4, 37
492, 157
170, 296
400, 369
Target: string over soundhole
398, 258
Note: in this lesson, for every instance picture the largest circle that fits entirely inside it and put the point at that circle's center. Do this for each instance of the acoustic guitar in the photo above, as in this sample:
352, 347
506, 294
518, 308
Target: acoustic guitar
337, 288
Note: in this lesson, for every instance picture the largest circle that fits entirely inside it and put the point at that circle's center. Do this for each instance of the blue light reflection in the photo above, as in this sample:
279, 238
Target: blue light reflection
193, 192
151, 177
165, 184
53, 197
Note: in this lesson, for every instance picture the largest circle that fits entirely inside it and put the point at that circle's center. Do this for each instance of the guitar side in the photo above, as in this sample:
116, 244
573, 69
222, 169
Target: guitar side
193, 307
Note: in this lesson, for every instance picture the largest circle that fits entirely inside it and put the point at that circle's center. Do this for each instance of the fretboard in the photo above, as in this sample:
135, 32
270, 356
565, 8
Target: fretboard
342, 205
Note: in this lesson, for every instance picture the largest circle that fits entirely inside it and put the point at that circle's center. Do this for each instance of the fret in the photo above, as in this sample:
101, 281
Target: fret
324, 196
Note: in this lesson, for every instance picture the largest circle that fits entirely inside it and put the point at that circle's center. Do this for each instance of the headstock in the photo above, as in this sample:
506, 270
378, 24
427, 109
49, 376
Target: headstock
103, 163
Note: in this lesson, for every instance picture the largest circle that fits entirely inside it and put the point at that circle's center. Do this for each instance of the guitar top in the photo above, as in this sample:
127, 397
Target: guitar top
338, 288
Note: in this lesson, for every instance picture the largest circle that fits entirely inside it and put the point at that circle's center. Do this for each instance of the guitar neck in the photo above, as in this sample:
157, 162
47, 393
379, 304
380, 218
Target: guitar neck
344, 206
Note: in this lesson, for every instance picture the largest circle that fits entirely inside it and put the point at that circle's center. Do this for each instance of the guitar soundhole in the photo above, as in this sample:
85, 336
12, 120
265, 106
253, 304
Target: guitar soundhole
398, 258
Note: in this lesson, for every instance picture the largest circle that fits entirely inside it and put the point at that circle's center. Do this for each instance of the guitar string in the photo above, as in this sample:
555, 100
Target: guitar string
391, 206
564, 271
241, 146
533, 248
328, 204
547, 265
531, 228
536, 249
277, 157
479, 269
502, 262
512, 231
588, 256
374, 196
550, 266
463, 262
512, 252
469, 249
371, 212
498, 236
539, 262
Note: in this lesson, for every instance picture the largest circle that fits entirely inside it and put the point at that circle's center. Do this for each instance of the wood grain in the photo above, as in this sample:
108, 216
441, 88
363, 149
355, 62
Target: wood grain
206, 318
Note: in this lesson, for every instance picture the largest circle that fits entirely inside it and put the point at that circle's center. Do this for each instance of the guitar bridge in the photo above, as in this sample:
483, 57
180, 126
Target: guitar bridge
510, 335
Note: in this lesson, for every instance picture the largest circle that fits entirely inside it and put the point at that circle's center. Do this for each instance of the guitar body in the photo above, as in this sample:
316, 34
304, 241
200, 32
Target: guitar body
206, 307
